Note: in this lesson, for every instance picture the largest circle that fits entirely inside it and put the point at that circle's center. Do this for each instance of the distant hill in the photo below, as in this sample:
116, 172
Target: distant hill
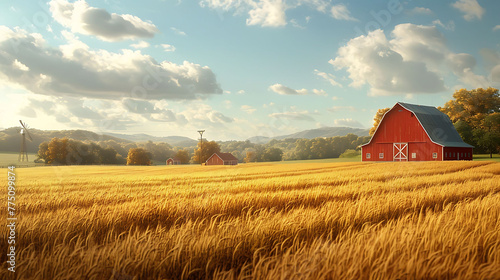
180, 141
10, 140
314, 133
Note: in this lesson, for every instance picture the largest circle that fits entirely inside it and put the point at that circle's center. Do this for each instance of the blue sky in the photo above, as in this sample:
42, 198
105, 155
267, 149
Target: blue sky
237, 68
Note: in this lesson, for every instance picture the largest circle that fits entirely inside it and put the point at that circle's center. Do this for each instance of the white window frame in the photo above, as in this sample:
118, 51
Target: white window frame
380, 155
434, 155
368, 155
413, 155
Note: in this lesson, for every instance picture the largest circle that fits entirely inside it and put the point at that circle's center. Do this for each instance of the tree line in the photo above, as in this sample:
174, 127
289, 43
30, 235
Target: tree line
64, 151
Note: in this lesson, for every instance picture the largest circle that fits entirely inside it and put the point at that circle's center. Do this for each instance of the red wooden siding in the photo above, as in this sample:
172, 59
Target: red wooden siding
222, 159
401, 128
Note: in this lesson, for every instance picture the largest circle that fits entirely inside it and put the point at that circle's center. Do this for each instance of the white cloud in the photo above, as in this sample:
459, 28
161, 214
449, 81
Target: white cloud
341, 12
240, 91
267, 13
178, 32
492, 61
497, 27
248, 109
328, 77
348, 122
421, 10
82, 18
283, 90
140, 45
371, 60
75, 70
413, 62
319, 92
293, 115
471, 9
342, 108
168, 48
449, 26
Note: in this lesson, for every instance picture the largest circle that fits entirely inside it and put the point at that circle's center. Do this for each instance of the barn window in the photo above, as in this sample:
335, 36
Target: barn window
413, 155
381, 155
368, 155
446, 154
434, 155
453, 154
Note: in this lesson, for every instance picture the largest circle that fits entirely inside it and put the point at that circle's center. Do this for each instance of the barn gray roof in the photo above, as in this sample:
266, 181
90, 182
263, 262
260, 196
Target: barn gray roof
437, 125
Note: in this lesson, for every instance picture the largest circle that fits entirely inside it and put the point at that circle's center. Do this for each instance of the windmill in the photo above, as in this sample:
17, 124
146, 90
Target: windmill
24, 132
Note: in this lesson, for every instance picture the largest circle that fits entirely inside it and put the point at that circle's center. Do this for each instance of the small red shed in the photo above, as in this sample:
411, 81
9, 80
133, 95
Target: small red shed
173, 161
222, 159
411, 132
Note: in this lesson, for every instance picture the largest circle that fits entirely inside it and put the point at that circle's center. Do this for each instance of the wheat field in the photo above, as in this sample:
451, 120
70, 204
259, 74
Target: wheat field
426, 220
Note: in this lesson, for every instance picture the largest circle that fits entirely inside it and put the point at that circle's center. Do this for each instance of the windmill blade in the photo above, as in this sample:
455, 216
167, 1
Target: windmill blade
26, 130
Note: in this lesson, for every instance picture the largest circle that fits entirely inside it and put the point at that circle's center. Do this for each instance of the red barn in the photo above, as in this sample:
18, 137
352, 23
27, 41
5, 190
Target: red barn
173, 161
222, 159
410, 132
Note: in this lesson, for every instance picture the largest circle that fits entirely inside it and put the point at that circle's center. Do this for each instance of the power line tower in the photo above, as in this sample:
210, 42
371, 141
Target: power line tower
201, 146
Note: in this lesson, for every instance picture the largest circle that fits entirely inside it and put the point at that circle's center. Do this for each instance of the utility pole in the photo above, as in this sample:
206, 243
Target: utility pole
201, 145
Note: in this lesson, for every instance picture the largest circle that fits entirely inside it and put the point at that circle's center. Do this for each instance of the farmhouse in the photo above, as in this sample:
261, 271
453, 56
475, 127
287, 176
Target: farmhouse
173, 161
410, 132
222, 159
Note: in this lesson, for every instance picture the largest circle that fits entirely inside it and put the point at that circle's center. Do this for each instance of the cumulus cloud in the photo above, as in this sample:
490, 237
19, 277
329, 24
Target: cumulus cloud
348, 122
267, 13
497, 27
328, 77
82, 18
471, 9
413, 62
75, 70
283, 90
341, 12
370, 60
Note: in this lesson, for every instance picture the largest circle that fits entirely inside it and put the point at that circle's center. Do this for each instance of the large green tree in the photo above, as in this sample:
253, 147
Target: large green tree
138, 156
205, 150
475, 114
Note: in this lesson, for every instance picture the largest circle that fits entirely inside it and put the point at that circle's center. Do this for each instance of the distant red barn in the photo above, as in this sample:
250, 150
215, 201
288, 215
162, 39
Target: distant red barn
222, 159
410, 132
173, 161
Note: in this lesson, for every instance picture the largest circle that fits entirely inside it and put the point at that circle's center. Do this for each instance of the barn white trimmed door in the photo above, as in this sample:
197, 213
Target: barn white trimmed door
400, 151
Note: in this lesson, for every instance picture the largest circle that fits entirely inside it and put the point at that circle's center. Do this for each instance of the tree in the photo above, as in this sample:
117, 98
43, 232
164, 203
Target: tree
472, 106
488, 135
209, 148
182, 155
376, 120
250, 157
272, 154
469, 110
138, 156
